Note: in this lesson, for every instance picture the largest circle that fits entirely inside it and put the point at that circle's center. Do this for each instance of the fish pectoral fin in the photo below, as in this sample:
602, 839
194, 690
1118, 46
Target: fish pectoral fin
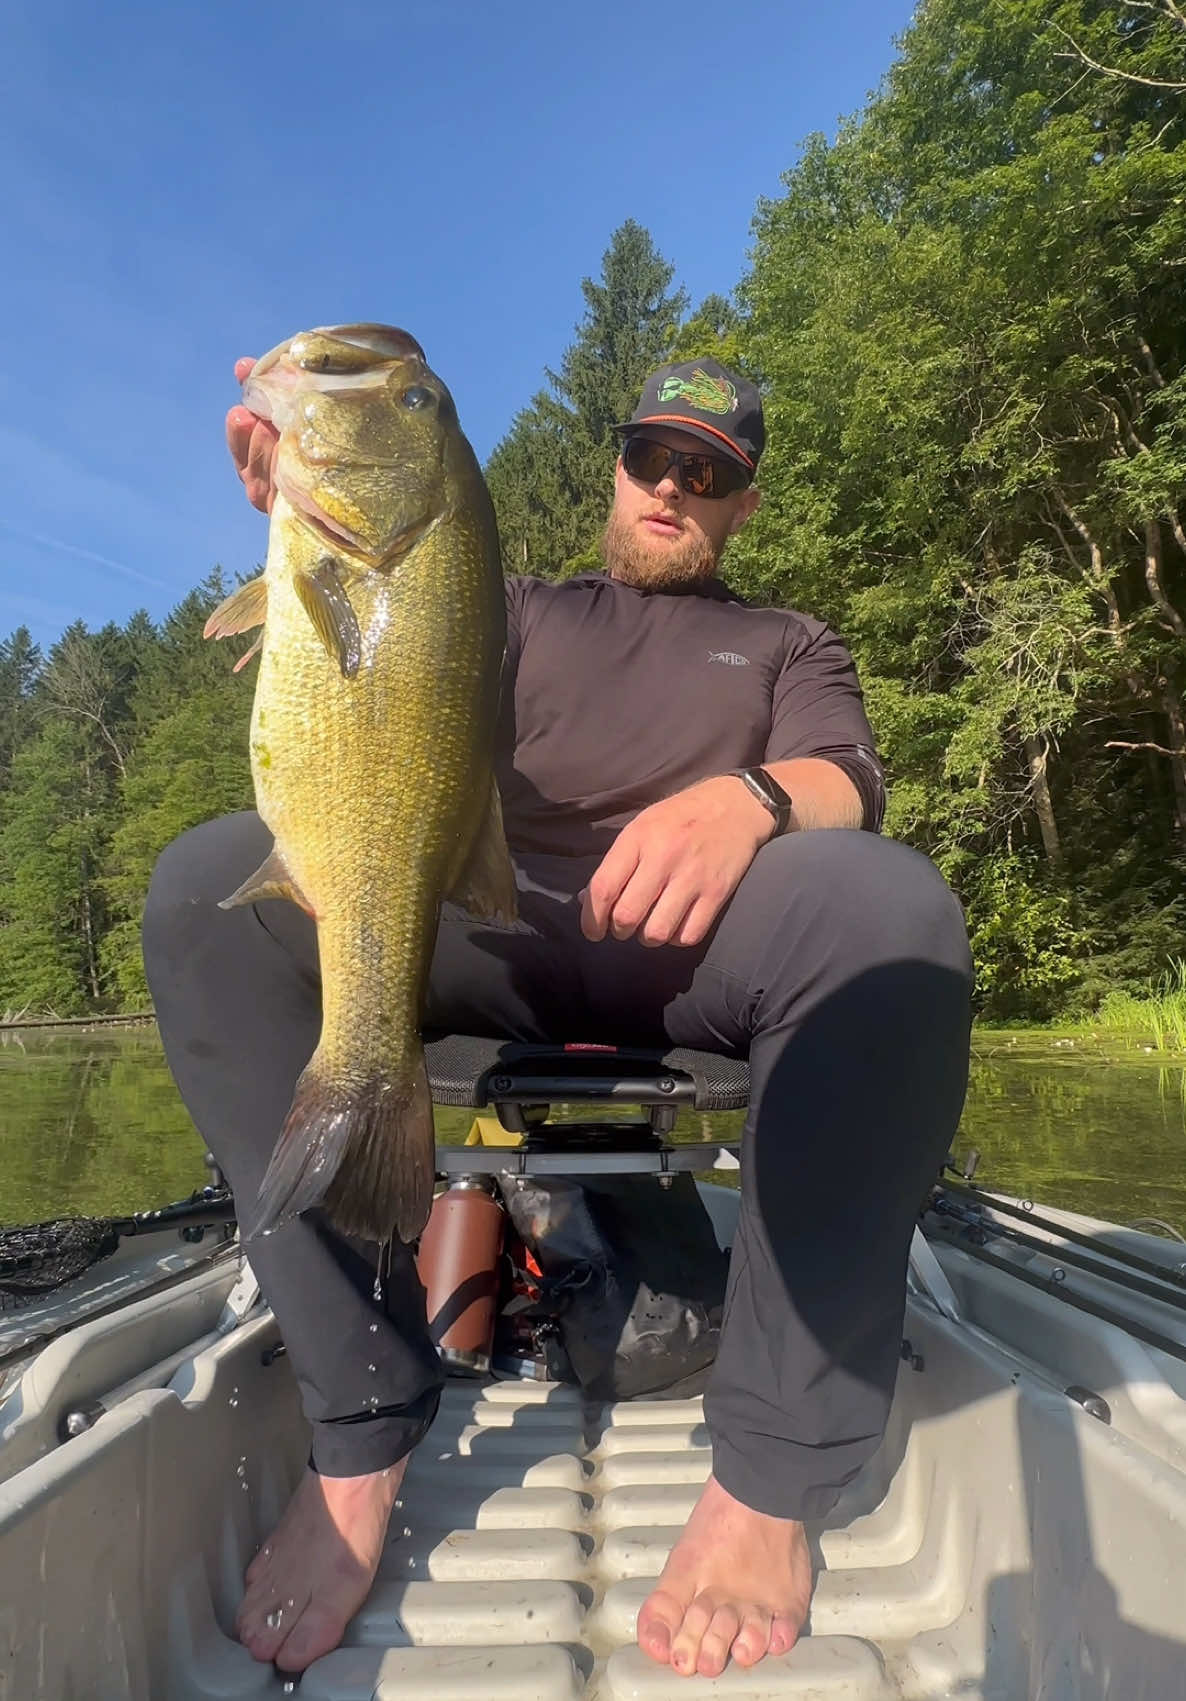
324, 600
485, 888
243, 609
270, 880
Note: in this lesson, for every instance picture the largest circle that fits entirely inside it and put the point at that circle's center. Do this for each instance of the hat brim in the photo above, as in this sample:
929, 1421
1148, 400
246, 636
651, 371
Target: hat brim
707, 434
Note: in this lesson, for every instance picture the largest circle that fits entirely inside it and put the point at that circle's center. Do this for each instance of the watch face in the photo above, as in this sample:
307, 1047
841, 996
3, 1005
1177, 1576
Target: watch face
771, 789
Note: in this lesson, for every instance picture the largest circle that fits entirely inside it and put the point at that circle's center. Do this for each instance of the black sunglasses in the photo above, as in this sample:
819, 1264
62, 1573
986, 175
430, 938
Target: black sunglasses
699, 475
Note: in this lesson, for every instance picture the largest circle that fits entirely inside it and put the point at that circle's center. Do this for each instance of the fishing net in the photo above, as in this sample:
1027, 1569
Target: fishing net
39, 1257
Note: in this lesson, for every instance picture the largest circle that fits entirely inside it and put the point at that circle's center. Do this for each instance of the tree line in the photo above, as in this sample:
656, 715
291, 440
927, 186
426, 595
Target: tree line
965, 314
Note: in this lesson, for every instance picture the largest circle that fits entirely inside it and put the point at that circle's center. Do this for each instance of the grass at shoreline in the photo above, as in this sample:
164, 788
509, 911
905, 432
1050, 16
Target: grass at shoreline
1124, 1024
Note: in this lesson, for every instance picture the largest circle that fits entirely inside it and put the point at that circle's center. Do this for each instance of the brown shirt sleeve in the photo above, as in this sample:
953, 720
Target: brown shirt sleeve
817, 710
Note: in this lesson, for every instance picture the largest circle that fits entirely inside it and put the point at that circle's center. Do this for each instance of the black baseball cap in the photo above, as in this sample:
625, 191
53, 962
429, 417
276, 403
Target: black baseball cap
706, 399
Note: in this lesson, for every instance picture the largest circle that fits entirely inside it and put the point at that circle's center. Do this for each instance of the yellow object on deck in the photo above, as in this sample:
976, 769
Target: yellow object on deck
489, 1131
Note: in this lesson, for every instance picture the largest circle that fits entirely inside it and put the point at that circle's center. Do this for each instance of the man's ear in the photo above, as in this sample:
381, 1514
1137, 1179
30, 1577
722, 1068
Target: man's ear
751, 501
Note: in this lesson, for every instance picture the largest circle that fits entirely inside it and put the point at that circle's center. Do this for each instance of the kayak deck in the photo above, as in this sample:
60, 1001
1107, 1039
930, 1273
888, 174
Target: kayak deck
1003, 1541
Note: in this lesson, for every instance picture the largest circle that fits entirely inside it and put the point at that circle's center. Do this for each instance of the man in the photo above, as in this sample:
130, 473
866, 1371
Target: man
669, 758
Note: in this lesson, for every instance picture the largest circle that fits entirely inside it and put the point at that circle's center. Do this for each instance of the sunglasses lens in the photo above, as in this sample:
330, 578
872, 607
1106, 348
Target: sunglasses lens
699, 475
727, 477
645, 459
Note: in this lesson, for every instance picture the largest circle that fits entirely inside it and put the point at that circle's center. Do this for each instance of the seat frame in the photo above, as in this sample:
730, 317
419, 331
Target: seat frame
521, 1083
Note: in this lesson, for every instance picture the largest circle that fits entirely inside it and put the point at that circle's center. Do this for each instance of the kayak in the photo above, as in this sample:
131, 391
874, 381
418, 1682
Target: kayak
1021, 1531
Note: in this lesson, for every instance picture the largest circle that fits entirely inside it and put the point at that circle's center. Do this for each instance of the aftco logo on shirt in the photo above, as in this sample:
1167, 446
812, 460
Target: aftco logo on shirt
729, 657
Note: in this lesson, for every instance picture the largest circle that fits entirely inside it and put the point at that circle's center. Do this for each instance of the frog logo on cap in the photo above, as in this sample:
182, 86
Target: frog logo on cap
709, 395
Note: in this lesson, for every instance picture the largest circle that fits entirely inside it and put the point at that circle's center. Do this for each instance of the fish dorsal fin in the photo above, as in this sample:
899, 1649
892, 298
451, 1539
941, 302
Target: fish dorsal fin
485, 888
243, 609
324, 600
270, 880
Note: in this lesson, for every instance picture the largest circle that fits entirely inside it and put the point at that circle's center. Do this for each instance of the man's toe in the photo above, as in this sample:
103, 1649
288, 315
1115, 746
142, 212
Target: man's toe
315, 1633
260, 1638
658, 1620
753, 1639
718, 1638
685, 1646
784, 1633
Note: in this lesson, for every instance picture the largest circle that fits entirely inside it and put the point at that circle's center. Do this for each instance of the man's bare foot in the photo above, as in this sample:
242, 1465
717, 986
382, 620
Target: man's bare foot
316, 1568
737, 1582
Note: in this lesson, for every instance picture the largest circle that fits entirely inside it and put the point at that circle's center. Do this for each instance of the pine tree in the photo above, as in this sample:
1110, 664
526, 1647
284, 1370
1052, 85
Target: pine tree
550, 476
20, 667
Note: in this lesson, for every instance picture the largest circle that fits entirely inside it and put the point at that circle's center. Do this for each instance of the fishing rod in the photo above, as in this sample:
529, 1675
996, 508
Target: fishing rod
971, 1220
1174, 1274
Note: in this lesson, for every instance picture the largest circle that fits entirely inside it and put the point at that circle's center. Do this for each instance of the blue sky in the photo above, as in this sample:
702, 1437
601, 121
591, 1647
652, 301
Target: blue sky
180, 185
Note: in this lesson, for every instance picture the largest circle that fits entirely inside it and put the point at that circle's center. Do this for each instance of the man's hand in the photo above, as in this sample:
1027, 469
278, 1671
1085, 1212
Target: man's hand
252, 442
673, 868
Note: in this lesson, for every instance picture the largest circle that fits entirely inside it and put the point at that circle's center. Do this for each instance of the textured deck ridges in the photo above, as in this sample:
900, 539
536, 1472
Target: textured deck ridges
530, 1532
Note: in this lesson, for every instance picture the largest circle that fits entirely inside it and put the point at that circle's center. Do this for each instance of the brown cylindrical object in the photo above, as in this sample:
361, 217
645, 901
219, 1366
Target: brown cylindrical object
458, 1263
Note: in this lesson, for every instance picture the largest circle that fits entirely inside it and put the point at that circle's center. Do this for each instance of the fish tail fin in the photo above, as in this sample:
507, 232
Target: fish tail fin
367, 1153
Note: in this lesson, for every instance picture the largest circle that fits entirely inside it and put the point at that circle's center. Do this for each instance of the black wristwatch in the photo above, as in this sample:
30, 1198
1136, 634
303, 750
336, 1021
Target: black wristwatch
770, 793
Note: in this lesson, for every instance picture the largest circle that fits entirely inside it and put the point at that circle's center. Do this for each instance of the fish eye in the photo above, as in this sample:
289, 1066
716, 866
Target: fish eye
417, 397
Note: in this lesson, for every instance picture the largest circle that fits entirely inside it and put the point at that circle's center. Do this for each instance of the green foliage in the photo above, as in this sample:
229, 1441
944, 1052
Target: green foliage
1158, 1016
119, 740
54, 820
1026, 943
966, 310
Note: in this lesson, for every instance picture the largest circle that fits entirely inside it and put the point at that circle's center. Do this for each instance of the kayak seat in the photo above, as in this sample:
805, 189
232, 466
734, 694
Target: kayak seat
522, 1082
464, 1069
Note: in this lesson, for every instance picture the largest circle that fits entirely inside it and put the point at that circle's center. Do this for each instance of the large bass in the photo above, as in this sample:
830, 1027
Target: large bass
383, 619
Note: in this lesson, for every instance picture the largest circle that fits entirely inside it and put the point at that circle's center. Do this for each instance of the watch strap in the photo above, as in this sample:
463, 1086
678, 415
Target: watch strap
768, 793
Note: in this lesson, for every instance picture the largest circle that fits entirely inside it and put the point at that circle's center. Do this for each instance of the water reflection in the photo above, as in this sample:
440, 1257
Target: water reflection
1100, 1134
91, 1123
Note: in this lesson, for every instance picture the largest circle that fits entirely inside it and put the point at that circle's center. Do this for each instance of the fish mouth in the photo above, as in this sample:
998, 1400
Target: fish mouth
342, 357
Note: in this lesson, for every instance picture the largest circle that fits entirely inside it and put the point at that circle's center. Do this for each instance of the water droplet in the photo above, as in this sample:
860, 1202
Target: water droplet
407, 1530
267, 1553
411, 1565
290, 1686
290, 1602
273, 1619
371, 1368
374, 1328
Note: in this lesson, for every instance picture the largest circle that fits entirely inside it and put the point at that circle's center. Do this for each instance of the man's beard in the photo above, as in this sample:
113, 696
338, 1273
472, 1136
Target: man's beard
656, 566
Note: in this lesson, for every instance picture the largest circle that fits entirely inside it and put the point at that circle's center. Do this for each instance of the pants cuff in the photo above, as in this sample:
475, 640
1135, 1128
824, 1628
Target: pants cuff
356, 1446
779, 1478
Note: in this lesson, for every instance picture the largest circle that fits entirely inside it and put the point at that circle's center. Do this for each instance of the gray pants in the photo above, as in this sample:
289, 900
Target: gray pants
840, 966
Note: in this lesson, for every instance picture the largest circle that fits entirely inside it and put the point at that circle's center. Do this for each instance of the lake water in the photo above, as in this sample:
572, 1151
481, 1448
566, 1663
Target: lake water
90, 1123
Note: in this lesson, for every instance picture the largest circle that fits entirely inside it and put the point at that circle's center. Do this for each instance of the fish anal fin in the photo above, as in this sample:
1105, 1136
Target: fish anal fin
270, 880
243, 609
485, 888
323, 598
366, 1152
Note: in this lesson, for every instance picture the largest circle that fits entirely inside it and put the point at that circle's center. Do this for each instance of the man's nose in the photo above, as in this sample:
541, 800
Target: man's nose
668, 486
